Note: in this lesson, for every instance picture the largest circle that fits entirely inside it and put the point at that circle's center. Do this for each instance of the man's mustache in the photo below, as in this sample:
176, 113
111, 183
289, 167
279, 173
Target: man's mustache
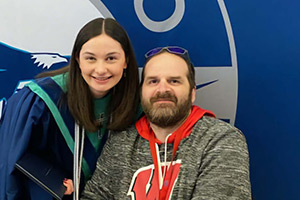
167, 96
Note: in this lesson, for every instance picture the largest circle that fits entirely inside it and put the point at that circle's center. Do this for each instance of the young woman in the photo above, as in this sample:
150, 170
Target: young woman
64, 115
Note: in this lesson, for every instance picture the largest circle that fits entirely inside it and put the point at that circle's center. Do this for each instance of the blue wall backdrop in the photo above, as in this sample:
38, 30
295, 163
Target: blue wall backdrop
246, 54
268, 47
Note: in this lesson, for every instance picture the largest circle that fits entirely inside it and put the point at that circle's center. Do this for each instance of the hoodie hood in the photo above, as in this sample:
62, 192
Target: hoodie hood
144, 129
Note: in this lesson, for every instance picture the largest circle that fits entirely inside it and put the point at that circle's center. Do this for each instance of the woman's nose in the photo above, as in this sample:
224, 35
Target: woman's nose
100, 68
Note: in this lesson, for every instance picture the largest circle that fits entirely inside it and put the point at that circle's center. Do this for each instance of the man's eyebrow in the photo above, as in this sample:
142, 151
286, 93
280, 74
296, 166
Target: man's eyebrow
170, 77
150, 77
175, 77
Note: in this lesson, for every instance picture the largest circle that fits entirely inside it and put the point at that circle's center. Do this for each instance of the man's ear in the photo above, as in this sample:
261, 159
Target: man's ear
193, 95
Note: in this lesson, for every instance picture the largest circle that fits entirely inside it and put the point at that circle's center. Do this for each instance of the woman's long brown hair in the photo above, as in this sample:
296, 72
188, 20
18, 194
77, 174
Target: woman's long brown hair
124, 96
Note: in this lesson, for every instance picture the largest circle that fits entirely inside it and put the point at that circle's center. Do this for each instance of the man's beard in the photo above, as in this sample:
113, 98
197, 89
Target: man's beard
167, 114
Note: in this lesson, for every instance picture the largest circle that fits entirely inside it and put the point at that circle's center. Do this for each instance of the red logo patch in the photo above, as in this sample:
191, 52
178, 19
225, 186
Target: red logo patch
144, 184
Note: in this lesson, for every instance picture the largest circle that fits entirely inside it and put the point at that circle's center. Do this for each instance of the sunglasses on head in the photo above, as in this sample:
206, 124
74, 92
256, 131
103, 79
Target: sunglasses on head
170, 49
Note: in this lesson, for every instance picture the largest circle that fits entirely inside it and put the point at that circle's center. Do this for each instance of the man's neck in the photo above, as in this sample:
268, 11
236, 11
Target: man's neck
162, 133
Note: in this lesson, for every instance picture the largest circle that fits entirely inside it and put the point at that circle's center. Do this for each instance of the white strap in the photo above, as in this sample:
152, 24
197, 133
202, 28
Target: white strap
165, 160
78, 153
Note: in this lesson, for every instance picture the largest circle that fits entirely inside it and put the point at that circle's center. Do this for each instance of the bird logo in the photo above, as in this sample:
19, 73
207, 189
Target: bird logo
47, 60
202, 27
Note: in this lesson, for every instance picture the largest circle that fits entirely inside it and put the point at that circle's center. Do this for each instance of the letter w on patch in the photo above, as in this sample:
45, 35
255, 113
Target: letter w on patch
144, 184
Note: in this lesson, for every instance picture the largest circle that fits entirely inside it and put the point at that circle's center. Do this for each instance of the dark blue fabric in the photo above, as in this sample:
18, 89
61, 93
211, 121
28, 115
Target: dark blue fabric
20, 130
28, 125
55, 92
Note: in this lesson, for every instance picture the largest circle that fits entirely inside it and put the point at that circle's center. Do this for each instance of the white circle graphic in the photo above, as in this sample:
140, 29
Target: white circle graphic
46, 27
160, 26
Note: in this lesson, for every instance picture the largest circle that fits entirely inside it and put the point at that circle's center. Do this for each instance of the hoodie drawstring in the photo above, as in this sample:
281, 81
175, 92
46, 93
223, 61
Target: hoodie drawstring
161, 176
156, 158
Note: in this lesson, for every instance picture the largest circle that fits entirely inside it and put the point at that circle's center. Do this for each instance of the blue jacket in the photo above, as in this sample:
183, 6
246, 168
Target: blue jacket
35, 120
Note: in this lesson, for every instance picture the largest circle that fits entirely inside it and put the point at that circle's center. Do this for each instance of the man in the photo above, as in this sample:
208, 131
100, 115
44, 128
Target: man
177, 150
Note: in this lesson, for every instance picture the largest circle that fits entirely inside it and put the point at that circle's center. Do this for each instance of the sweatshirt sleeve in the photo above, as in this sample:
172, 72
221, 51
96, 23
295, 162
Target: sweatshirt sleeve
96, 187
19, 123
224, 169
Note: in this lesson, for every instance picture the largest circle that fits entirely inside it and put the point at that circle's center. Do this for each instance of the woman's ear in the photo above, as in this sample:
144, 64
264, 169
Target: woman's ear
126, 63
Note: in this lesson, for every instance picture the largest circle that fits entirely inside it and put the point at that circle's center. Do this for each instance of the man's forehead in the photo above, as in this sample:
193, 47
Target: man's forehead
151, 72
166, 64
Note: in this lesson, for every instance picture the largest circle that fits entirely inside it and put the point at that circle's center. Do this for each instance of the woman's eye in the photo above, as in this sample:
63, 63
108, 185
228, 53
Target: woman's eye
90, 58
111, 58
